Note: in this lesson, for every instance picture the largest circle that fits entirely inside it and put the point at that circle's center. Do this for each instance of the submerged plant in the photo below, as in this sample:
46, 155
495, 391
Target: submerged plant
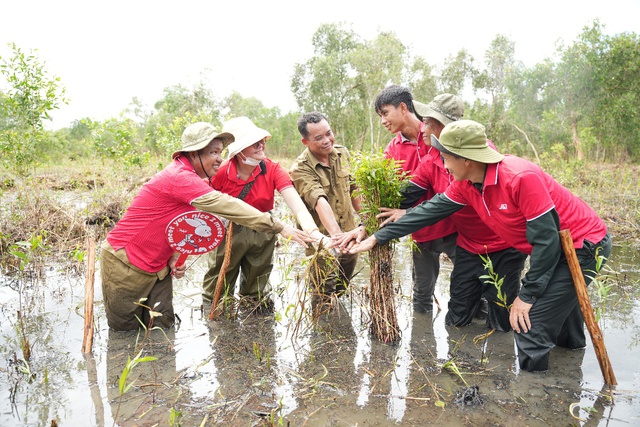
123, 385
602, 285
492, 278
380, 183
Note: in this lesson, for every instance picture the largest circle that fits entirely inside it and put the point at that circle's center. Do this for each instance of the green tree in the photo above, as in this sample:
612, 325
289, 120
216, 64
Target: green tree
163, 128
500, 64
422, 80
377, 63
578, 82
31, 95
457, 72
284, 135
616, 119
326, 81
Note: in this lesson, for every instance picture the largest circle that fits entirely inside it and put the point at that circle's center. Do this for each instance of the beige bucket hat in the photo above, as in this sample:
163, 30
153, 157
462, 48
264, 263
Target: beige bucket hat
245, 132
445, 108
198, 135
468, 139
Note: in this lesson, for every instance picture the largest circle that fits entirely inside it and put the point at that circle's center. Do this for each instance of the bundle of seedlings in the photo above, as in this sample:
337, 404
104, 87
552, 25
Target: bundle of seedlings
380, 183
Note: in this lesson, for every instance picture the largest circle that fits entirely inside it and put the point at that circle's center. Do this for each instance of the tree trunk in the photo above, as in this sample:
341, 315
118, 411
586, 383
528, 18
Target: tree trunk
577, 144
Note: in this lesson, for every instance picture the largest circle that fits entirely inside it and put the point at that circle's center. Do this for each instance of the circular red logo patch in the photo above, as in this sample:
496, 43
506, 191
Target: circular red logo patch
195, 232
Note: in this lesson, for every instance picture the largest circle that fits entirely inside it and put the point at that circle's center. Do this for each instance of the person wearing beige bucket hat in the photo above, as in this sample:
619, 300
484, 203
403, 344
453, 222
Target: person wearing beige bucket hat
395, 106
470, 294
526, 208
248, 173
136, 260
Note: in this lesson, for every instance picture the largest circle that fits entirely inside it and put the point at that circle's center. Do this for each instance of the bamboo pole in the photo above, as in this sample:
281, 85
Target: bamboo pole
87, 341
213, 312
587, 310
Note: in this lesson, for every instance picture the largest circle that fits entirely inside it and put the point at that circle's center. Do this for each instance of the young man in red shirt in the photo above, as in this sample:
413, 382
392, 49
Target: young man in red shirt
526, 208
394, 105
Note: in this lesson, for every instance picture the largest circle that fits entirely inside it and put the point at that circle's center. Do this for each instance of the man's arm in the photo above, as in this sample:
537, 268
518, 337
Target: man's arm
426, 213
542, 234
412, 193
328, 219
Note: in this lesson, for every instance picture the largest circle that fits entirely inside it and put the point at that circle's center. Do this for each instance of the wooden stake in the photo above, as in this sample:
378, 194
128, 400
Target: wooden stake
87, 341
213, 312
587, 310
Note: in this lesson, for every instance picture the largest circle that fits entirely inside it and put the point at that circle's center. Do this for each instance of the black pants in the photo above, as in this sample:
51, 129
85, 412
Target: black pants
467, 287
555, 317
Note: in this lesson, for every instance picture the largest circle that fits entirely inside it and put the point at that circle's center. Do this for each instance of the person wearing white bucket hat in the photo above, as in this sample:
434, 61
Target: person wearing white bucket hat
136, 260
526, 208
249, 174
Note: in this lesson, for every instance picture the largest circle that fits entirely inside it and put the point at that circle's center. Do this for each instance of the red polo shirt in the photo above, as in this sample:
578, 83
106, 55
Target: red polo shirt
413, 154
473, 235
516, 191
262, 194
141, 231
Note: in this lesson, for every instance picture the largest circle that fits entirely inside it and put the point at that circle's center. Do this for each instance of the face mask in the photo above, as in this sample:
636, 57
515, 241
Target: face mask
249, 161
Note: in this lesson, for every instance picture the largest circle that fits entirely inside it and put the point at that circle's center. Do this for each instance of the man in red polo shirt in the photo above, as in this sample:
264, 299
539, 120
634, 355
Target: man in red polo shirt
526, 208
475, 239
394, 105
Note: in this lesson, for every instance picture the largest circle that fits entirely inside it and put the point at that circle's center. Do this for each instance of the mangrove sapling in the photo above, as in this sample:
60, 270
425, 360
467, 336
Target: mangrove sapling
494, 279
602, 284
380, 183
123, 385
175, 418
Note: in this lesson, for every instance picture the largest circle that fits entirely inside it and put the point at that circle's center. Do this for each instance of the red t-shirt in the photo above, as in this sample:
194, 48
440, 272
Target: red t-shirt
413, 154
516, 191
261, 196
141, 231
473, 234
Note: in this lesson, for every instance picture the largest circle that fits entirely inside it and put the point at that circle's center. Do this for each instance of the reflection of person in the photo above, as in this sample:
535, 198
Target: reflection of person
154, 379
136, 259
474, 237
395, 106
526, 207
249, 175
248, 379
322, 177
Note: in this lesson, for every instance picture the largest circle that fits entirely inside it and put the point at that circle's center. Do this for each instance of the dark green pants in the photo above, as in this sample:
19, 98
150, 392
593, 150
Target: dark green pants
556, 319
467, 287
426, 268
124, 284
251, 260
331, 275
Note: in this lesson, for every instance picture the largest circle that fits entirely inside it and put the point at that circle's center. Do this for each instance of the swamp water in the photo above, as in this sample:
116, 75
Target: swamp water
280, 370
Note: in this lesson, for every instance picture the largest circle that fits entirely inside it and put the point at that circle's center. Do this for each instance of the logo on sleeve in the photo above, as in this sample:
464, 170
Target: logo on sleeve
503, 207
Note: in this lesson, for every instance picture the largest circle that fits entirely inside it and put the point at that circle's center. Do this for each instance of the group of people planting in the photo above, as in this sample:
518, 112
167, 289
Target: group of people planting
483, 209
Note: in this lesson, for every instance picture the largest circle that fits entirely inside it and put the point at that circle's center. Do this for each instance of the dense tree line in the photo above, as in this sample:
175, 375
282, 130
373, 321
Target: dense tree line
582, 104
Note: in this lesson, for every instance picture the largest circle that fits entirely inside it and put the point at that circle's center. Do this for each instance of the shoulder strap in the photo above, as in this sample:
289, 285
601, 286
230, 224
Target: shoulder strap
248, 185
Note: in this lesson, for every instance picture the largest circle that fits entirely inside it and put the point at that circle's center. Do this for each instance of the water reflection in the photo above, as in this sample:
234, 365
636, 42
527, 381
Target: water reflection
239, 371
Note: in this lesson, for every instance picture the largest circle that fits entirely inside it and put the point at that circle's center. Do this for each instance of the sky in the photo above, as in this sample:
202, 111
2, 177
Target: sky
107, 53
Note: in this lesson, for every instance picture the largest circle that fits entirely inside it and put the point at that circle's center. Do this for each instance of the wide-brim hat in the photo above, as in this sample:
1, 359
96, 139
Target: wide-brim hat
445, 108
245, 132
198, 135
468, 139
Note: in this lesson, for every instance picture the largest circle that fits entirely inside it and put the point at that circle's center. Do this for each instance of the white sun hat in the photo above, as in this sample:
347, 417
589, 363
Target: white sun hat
246, 134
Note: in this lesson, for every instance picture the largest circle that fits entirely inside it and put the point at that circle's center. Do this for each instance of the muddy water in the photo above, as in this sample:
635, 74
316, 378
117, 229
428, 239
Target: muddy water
282, 369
